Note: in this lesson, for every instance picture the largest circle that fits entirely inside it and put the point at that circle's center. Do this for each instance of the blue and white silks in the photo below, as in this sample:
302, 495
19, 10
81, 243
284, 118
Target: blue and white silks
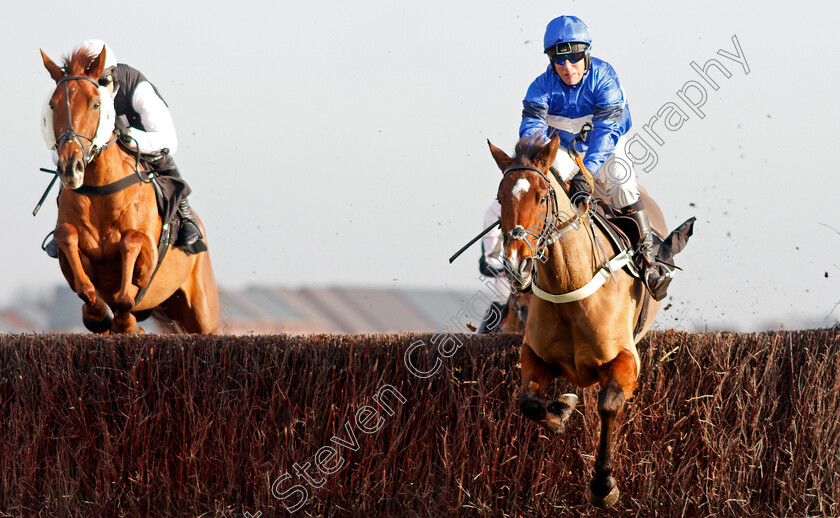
551, 106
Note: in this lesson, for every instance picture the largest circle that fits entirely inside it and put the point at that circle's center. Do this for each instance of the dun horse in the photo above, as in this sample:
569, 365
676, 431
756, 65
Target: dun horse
586, 341
107, 241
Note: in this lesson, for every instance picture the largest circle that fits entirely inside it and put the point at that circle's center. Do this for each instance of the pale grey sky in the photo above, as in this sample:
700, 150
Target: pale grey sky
344, 143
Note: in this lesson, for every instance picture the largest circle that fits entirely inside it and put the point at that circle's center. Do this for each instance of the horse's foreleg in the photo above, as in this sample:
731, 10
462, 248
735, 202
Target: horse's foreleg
67, 238
536, 375
138, 254
618, 380
95, 313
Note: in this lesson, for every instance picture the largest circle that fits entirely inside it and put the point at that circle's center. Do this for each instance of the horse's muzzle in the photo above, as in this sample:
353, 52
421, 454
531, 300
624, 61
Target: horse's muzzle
519, 272
72, 172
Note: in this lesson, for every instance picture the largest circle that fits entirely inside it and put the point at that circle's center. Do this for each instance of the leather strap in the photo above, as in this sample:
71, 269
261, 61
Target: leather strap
111, 188
616, 263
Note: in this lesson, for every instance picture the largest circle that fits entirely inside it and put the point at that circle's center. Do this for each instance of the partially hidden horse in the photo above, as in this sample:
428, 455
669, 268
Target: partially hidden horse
517, 312
108, 241
549, 243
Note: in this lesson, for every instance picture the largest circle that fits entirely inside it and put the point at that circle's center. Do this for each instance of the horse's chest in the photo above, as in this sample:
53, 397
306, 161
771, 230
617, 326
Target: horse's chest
100, 223
562, 342
100, 242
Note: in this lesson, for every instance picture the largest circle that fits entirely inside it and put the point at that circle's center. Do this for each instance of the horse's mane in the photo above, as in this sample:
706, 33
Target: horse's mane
527, 149
78, 62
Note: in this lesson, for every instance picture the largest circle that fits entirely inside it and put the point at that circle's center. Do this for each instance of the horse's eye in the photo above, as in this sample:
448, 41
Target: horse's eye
52, 105
544, 199
96, 104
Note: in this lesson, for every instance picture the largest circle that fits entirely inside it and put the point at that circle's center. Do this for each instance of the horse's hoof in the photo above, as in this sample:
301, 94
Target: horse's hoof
569, 399
532, 407
604, 502
563, 406
98, 326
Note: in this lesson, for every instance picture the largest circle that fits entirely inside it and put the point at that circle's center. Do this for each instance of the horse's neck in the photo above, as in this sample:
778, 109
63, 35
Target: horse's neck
570, 260
108, 167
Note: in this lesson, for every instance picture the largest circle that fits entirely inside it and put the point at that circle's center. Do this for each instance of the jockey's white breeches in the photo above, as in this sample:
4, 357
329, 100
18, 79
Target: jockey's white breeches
615, 181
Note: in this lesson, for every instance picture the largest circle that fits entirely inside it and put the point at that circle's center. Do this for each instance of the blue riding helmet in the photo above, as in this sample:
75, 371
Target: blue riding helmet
561, 33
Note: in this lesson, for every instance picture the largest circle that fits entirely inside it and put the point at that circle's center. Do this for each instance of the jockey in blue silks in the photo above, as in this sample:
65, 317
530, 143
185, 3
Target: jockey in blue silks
577, 88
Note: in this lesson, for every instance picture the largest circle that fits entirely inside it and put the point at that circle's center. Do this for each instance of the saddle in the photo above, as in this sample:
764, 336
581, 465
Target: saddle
169, 192
624, 235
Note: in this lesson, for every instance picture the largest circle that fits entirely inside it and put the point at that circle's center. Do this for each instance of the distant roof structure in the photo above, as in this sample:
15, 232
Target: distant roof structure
275, 309
386, 309
439, 306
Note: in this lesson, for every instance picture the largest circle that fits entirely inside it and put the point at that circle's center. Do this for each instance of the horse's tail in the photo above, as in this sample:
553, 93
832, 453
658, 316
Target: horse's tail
166, 324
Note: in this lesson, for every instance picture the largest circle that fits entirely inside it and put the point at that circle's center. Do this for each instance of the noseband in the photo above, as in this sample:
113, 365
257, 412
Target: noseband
554, 226
88, 152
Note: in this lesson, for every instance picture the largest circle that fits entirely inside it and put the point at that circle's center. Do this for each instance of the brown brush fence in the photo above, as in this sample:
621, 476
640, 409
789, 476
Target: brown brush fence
721, 425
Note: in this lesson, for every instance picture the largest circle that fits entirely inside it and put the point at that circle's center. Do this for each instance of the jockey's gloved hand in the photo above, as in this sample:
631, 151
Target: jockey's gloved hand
579, 189
123, 134
578, 184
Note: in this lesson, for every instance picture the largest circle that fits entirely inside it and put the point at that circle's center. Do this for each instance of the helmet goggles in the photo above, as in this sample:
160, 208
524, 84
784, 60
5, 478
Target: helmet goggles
561, 52
574, 57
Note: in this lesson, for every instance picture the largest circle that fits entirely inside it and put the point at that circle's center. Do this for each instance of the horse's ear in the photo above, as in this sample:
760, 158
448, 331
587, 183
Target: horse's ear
97, 66
55, 71
501, 158
547, 154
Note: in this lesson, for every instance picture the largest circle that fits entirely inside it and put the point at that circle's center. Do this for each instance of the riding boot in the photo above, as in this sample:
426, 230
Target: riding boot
51, 247
656, 282
189, 232
493, 318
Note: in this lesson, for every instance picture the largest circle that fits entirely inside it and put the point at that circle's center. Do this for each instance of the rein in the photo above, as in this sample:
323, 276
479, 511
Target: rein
113, 187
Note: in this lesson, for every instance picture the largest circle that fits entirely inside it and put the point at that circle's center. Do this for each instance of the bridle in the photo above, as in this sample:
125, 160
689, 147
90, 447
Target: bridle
89, 152
70, 134
554, 226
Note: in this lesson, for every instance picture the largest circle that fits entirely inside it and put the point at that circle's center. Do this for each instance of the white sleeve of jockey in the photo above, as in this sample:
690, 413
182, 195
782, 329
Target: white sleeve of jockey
492, 240
160, 130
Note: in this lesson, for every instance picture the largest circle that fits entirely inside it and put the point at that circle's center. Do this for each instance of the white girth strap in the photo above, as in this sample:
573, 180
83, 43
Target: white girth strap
616, 263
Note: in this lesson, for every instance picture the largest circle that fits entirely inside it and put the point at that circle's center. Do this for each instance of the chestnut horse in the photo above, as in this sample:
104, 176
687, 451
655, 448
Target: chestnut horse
585, 341
107, 244
517, 315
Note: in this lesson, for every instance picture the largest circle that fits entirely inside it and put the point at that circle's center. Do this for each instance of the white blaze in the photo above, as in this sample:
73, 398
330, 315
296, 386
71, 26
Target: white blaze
513, 261
522, 186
